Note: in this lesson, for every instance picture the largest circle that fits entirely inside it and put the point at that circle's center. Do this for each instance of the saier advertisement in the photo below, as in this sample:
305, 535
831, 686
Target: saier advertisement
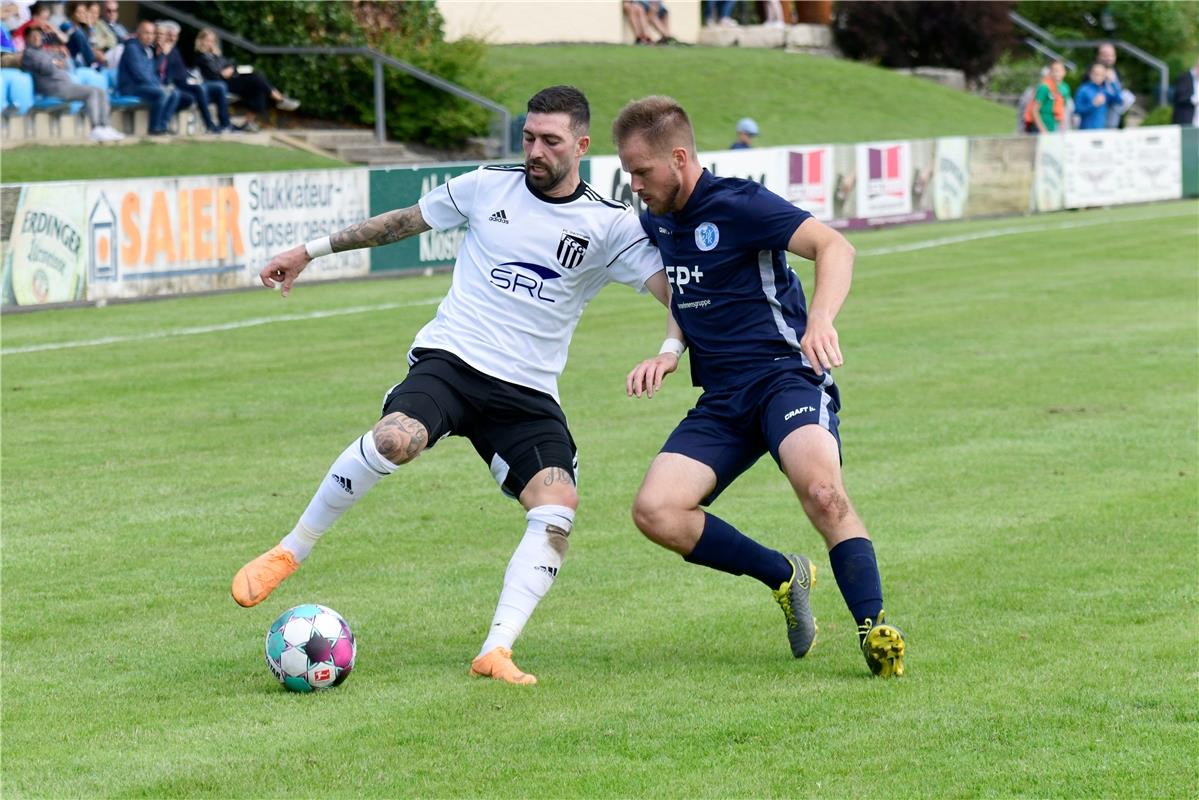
121, 239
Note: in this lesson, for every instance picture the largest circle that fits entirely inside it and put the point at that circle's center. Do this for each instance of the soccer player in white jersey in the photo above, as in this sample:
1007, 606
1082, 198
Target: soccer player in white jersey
540, 243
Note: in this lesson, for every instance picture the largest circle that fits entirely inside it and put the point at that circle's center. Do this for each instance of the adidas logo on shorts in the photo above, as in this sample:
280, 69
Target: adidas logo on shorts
499, 216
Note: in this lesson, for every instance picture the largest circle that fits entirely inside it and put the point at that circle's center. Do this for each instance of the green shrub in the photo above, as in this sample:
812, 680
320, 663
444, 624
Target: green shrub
341, 88
1162, 115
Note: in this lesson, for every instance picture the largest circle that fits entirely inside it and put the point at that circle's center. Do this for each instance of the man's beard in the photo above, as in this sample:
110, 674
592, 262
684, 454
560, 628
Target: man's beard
550, 179
665, 204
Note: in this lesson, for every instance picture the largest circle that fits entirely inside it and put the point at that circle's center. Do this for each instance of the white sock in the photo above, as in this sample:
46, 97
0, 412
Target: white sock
352, 475
531, 572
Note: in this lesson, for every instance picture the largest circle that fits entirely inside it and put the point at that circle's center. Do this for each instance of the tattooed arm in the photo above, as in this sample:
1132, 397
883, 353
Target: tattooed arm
391, 226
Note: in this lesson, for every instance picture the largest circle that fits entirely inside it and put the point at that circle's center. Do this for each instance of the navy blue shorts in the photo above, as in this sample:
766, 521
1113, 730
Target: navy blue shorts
730, 430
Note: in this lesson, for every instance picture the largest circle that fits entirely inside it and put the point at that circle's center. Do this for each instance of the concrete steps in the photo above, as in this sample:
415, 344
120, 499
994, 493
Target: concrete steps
814, 39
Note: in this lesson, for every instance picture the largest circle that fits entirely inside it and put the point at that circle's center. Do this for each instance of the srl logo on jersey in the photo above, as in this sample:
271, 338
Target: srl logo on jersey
707, 236
571, 249
519, 282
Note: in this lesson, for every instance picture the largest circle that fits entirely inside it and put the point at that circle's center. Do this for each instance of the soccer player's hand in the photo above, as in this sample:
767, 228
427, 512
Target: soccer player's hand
647, 376
284, 269
819, 343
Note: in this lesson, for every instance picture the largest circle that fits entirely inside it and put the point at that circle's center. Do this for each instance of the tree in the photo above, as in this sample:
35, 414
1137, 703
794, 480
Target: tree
969, 36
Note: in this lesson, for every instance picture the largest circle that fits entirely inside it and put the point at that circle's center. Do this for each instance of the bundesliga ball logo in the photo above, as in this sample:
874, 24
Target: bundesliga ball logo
310, 647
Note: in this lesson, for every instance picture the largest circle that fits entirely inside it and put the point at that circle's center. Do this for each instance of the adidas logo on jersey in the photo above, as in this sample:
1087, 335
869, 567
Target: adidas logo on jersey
344, 483
499, 216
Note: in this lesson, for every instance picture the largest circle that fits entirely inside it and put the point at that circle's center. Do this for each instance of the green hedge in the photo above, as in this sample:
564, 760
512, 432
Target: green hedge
342, 88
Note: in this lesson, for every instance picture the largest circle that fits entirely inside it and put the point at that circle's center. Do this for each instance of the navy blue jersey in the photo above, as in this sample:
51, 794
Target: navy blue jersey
739, 304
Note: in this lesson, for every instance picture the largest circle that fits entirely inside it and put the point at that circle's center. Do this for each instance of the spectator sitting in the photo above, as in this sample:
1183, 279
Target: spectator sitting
747, 129
138, 75
53, 40
1106, 56
79, 34
636, 14
1047, 111
246, 82
51, 78
9, 21
1186, 98
1094, 97
658, 18
101, 37
720, 12
108, 19
191, 89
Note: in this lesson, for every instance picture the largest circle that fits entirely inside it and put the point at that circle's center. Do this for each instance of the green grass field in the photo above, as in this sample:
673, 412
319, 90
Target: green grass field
149, 159
1020, 435
795, 98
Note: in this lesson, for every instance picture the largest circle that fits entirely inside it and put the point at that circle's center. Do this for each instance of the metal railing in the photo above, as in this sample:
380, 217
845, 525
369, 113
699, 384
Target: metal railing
379, 60
1045, 36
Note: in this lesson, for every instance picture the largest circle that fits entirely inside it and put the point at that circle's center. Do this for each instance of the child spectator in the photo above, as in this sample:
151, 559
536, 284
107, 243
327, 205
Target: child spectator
747, 129
1095, 97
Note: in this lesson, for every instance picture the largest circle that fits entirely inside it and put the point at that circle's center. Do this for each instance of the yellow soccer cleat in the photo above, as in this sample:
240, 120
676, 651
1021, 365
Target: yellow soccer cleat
883, 646
254, 582
497, 663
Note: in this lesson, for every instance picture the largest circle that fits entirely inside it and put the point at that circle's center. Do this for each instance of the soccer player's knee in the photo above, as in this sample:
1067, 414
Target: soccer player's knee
399, 438
650, 515
827, 499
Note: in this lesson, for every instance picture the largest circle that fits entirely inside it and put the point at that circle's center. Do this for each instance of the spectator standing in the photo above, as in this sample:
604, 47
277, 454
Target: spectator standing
747, 129
1095, 96
192, 90
138, 74
52, 78
250, 85
1186, 98
1106, 56
720, 12
1047, 111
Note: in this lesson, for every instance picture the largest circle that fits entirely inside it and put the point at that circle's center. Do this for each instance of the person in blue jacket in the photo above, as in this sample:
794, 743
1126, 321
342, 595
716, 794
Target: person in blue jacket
137, 74
1094, 97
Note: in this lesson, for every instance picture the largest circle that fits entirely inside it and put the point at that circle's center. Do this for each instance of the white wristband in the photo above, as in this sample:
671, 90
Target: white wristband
319, 247
673, 345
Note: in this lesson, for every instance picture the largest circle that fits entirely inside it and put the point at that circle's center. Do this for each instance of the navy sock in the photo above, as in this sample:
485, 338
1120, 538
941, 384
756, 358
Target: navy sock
723, 547
856, 571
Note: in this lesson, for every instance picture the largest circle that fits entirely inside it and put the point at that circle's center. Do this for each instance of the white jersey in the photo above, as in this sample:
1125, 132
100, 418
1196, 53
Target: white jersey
527, 268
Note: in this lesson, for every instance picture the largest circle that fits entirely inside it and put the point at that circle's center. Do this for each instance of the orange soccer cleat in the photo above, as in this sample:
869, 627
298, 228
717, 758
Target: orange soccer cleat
498, 664
254, 582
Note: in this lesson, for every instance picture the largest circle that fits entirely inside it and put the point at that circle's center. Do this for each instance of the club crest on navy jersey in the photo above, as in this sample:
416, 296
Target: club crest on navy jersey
571, 249
707, 236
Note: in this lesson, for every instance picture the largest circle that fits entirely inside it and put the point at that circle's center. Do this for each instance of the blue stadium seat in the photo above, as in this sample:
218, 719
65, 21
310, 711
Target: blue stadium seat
17, 93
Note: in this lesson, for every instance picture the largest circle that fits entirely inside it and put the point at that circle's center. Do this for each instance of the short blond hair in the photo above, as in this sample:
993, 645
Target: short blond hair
660, 120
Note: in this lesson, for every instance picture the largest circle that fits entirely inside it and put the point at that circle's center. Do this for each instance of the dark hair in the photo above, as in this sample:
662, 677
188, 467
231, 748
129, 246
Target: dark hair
660, 119
563, 100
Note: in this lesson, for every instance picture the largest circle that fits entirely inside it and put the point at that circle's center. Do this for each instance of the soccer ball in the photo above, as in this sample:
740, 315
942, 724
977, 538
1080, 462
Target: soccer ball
310, 647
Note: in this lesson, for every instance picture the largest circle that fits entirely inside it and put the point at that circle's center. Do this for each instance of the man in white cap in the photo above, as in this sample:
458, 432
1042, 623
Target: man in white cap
747, 129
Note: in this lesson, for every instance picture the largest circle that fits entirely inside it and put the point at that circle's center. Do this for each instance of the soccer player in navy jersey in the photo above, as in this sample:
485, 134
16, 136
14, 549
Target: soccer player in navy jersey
763, 359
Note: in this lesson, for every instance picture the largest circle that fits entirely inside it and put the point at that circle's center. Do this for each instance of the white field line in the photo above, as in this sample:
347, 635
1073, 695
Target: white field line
225, 326
250, 323
990, 234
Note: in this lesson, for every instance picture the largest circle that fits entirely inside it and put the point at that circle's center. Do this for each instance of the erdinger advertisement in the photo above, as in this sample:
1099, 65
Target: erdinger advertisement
43, 228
